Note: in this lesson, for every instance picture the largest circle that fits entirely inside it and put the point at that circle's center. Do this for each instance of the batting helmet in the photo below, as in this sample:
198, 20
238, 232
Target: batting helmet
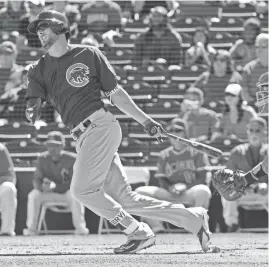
58, 22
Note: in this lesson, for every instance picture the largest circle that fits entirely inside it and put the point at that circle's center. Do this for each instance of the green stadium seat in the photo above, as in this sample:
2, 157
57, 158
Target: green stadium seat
17, 131
172, 91
133, 148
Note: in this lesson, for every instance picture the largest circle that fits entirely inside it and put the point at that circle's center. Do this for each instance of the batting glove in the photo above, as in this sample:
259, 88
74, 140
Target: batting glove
33, 113
154, 129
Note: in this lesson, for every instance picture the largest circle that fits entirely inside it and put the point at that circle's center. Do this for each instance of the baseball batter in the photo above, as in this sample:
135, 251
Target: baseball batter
73, 78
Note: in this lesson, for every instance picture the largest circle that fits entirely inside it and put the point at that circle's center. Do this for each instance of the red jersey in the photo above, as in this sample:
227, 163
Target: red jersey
73, 82
181, 166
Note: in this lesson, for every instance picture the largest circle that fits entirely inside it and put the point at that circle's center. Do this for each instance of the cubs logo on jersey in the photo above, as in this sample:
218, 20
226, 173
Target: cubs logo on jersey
77, 75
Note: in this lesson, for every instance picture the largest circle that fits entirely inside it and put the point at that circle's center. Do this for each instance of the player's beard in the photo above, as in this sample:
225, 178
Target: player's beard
50, 41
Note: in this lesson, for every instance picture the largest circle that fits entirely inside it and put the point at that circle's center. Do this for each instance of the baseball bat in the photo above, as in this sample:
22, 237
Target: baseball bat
209, 150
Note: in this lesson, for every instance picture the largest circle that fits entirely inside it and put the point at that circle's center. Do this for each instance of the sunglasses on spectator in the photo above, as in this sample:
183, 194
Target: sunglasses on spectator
254, 130
229, 94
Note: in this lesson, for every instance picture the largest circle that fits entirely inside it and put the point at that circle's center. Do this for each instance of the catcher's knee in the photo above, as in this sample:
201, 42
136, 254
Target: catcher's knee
203, 191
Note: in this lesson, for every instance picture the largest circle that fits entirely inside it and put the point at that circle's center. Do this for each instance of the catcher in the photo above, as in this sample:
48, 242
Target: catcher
230, 184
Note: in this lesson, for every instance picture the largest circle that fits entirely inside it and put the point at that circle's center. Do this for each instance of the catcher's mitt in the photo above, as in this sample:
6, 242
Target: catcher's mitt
229, 184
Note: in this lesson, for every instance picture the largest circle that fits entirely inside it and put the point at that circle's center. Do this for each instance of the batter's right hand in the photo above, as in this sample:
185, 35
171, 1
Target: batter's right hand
32, 113
154, 129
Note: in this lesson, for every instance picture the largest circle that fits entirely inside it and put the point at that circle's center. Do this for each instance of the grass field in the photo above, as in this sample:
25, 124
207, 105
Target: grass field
239, 249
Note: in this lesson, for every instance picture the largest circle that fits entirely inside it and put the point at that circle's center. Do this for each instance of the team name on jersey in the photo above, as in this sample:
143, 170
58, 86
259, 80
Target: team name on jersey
179, 166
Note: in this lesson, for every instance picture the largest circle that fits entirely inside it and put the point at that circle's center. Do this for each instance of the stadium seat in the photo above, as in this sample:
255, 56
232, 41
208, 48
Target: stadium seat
172, 91
26, 57
201, 9
119, 56
137, 131
140, 91
55, 207
125, 40
188, 24
53, 126
17, 130
135, 26
163, 109
186, 74
227, 24
152, 74
225, 144
238, 10
217, 105
133, 148
25, 149
222, 40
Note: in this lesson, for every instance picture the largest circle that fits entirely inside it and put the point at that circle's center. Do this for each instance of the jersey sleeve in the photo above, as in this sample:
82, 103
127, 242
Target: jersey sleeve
35, 85
106, 74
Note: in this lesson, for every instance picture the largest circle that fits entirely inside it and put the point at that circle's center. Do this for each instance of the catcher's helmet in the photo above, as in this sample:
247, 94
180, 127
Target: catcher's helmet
58, 22
262, 94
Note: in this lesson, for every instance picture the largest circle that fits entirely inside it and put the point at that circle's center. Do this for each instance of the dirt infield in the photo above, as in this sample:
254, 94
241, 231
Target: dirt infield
248, 250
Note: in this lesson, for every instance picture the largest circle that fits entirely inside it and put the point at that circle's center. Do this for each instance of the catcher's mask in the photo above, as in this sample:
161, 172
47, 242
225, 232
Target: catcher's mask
262, 94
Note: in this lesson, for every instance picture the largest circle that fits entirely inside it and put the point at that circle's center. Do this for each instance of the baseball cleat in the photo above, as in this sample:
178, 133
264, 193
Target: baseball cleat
204, 233
142, 238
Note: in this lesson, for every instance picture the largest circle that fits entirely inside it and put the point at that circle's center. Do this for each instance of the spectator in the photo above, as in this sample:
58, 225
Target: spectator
243, 51
236, 115
160, 40
26, 40
201, 51
10, 72
8, 193
181, 174
52, 180
102, 18
244, 157
72, 13
12, 102
221, 73
126, 7
10, 15
202, 122
143, 7
254, 69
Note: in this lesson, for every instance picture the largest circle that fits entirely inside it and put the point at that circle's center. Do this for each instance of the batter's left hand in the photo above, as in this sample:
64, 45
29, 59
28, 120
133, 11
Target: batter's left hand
154, 129
32, 113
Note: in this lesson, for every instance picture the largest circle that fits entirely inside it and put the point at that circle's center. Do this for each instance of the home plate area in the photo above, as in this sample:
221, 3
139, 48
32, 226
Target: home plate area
235, 249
